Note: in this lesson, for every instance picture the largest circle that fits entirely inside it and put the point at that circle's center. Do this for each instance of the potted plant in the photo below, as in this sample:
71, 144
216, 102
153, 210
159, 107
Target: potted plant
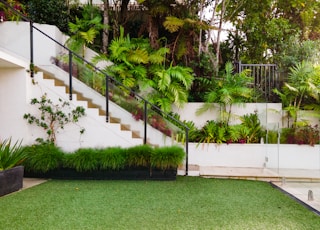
11, 172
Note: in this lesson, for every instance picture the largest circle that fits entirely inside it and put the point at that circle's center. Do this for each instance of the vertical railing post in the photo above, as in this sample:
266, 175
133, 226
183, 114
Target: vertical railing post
70, 75
145, 123
107, 98
187, 151
31, 51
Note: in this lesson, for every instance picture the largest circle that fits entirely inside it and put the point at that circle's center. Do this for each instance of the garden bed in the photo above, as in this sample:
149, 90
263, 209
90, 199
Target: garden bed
114, 163
139, 173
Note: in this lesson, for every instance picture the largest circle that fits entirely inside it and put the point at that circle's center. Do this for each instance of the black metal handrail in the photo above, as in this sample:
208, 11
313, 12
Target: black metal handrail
107, 81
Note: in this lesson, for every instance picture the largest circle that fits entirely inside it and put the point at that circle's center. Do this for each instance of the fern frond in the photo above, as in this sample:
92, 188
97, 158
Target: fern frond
138, 56
173, 24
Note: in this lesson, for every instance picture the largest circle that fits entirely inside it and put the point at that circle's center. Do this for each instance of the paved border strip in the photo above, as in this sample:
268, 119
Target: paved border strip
296, 199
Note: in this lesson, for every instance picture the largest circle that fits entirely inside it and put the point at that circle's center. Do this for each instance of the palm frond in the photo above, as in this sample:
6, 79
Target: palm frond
164, 80
182, 74
89, 35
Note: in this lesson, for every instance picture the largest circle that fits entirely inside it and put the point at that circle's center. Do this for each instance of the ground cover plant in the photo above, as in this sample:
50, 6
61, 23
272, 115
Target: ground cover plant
187, 203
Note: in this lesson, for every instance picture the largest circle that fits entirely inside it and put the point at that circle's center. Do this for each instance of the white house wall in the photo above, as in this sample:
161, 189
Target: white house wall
13, 103
15, 37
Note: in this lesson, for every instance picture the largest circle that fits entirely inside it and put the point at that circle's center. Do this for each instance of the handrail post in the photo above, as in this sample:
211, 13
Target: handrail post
70, 75
31, 51
187, 151
145, 123
107, 98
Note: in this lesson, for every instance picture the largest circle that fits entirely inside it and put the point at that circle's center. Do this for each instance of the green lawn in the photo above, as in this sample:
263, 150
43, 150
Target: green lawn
187, 203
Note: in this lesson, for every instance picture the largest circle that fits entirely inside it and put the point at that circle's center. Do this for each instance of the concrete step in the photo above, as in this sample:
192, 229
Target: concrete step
261, 174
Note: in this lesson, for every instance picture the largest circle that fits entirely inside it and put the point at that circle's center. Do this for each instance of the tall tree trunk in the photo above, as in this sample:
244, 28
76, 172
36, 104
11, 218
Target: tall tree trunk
200, 33
212, 20
223, 10
105, 32
153, 32
124, 12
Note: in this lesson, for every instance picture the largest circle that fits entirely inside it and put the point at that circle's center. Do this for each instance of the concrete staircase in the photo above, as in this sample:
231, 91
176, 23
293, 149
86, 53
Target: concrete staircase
92, 100
79, 96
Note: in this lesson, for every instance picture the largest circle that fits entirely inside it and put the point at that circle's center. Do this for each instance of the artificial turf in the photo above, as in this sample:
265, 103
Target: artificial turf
187, 203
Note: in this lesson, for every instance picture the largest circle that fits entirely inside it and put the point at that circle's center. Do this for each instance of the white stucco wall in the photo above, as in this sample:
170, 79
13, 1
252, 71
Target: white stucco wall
13, 92
15, 37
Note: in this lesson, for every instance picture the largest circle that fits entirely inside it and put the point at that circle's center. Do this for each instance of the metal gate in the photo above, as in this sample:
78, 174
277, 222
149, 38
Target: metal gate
266, 78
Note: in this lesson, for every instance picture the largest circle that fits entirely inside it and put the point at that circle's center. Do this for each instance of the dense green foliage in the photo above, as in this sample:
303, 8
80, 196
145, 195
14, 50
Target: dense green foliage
303, 135
261, 31
139, 67
187, 203
301, 89
229, 89
44, 157
167, 157
52, 12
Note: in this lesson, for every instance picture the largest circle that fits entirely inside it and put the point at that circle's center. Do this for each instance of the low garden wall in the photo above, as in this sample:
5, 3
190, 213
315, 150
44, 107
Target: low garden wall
284, 156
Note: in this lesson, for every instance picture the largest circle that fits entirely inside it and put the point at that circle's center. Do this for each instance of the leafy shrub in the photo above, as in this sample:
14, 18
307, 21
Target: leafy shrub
252, 123
213, 132
238, 134
300, 135
43, 157
272, 137
194, 134
307, 135
167, 157
287, 136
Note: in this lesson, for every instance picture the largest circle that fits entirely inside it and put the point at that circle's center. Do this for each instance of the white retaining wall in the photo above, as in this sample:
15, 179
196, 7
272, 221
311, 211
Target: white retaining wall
284, 156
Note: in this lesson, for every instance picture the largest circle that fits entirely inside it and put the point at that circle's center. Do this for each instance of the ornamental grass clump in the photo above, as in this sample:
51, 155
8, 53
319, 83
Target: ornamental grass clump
43, 157
84, 159
167, 157
112, 158
139, 155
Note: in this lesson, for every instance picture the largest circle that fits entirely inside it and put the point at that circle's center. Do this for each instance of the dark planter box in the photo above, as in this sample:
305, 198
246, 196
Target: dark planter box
122, 174
11, 180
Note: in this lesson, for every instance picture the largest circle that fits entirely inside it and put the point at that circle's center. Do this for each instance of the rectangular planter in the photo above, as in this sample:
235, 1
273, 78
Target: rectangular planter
11, 180
122, 174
